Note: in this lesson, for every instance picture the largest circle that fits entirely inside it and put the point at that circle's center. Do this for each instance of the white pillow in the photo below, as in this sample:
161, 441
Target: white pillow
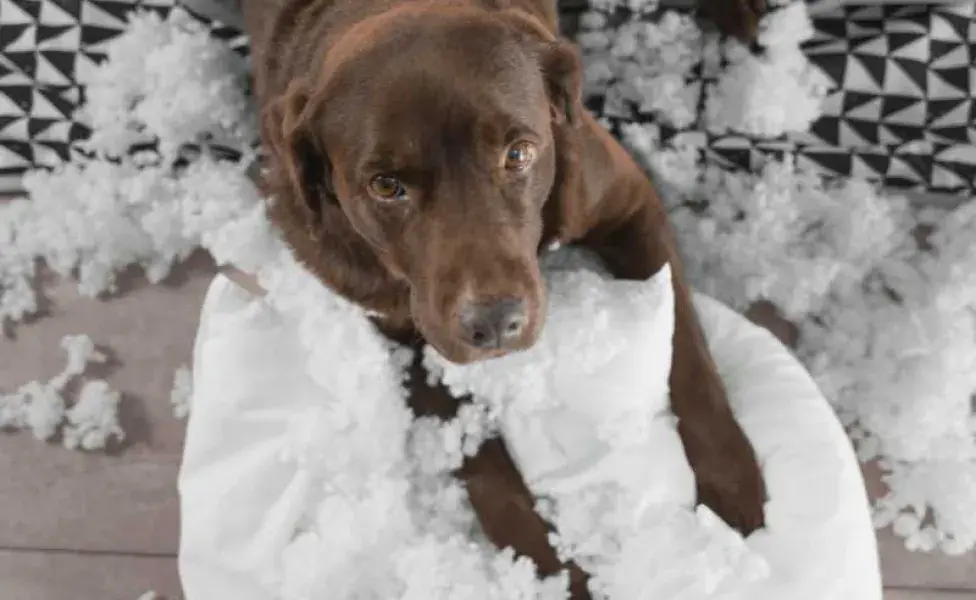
274, 376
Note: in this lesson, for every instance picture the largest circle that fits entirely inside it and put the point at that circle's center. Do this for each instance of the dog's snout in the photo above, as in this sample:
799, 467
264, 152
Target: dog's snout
494, 325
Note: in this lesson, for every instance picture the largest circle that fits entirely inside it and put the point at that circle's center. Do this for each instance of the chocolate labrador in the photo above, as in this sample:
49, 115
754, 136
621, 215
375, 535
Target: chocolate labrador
420, 153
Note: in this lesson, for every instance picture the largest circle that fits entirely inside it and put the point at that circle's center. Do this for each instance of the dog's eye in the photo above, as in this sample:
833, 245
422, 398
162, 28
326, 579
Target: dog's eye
520, 156
387, 188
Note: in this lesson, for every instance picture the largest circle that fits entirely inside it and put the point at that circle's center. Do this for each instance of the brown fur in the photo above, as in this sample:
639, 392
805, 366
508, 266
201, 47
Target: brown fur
431, 90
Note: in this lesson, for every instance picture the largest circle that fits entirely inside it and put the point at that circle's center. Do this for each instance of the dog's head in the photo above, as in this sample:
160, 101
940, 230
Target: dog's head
430, 139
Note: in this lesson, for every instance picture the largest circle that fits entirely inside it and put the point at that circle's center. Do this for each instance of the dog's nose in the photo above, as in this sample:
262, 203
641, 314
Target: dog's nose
493, 325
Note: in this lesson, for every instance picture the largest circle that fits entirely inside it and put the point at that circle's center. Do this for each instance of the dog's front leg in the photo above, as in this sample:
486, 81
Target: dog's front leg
727, 473
504, 505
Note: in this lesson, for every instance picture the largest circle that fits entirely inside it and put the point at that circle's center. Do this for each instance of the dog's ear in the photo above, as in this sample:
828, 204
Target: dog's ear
559, 61
561, 65
298, 165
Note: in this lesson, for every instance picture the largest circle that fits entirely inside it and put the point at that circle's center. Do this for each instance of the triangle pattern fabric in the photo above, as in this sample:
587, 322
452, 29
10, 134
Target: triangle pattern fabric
25, 62
871, 46
36, 127
894, 103
63, 61
940, 89
48, 74
17, 37
117, 9
870, 12
14, 13
56, 34
862, 169
913, 114
55, 14
48, 50
41, 47
956, 76
869, 111
875, 66
11, 106
903, 167
94, 16
47, 155
897, 80
43, 108
908, 80
859, 79
92, 35
828, 47
855, 133
13, 128
944, 178
56, 132
898, 41
14, 157
949, 54
833, 66
830, 159
943, 29
917, 49
899, 76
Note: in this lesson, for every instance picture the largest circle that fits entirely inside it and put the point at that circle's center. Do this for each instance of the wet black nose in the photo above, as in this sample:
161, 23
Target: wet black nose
493, 325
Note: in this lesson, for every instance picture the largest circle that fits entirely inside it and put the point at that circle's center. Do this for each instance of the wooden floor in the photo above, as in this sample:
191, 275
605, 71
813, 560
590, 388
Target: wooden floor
96, 527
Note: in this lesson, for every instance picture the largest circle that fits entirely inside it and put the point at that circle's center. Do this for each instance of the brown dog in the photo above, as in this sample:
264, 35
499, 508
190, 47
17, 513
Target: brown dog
420, 153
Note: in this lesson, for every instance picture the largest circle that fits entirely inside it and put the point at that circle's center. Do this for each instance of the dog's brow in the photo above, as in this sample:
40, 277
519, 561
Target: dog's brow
383, 163
408, 172
519, 130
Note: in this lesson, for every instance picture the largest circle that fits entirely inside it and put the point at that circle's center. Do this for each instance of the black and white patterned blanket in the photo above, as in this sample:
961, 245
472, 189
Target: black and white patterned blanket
48, 49
904, 109
902, 113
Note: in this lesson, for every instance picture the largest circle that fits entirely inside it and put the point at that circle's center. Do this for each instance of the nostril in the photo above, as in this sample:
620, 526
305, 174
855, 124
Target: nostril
480, 337
477, 329
513, 325
493, 324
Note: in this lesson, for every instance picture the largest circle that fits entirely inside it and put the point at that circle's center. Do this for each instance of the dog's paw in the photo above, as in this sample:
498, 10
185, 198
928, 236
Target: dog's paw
730, 482
736, 18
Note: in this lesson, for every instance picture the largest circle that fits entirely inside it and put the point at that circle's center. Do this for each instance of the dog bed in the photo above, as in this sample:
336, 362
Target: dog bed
305, 477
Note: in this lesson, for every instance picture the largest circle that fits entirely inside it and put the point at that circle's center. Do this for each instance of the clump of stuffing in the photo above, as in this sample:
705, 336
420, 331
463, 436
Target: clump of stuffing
782, 222
645, 6
656, 60
167, 80
34, 406
121, 214
907, 390
139, 209
41, 408
663, 66
94, 418
181, 397
772, 93
648, 65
